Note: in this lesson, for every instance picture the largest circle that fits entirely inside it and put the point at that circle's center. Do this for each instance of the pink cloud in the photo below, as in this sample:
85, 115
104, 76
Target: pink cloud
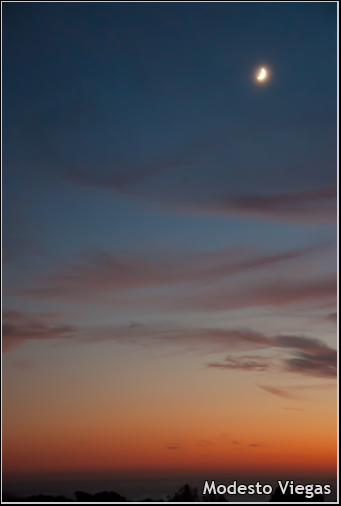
318, 292
294, 392
120, 278
19, 327
282, 392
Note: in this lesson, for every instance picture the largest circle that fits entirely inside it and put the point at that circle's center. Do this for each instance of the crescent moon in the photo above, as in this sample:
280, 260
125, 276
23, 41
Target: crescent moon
262, 74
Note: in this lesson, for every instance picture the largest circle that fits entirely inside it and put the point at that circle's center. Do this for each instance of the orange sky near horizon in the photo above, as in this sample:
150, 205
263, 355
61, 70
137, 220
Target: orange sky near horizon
196, 419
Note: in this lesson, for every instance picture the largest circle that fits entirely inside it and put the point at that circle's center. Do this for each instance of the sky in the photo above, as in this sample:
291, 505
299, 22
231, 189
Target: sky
169, 240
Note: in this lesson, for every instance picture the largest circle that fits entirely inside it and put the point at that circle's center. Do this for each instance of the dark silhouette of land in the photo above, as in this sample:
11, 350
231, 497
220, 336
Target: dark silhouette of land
100, 497
34, 498
184, 494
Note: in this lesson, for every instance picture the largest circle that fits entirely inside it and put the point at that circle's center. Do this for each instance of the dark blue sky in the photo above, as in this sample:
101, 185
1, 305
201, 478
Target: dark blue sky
119, 86
158, 102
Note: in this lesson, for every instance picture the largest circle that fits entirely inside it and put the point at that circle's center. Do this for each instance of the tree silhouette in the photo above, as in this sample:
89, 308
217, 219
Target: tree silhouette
214, 498
186, 494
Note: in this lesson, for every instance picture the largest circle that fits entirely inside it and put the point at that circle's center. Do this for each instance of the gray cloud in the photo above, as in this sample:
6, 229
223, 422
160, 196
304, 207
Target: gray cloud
324, 365
309, 356
244, 363
313, 358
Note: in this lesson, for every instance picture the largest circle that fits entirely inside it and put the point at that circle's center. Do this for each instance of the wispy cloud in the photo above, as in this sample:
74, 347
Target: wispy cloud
300, 354
317, 292
19, 327
282, 392
308, 206
318, 206
308, 356
125, 179
120, 278
204, 443
245, 363
243, 445
295, 392
312, 357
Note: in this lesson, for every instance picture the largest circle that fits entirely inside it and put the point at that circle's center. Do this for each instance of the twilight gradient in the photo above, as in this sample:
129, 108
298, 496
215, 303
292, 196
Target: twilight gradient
169, 231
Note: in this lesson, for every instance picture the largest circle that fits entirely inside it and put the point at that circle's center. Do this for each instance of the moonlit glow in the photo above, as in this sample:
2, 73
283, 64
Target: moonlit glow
262, 75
